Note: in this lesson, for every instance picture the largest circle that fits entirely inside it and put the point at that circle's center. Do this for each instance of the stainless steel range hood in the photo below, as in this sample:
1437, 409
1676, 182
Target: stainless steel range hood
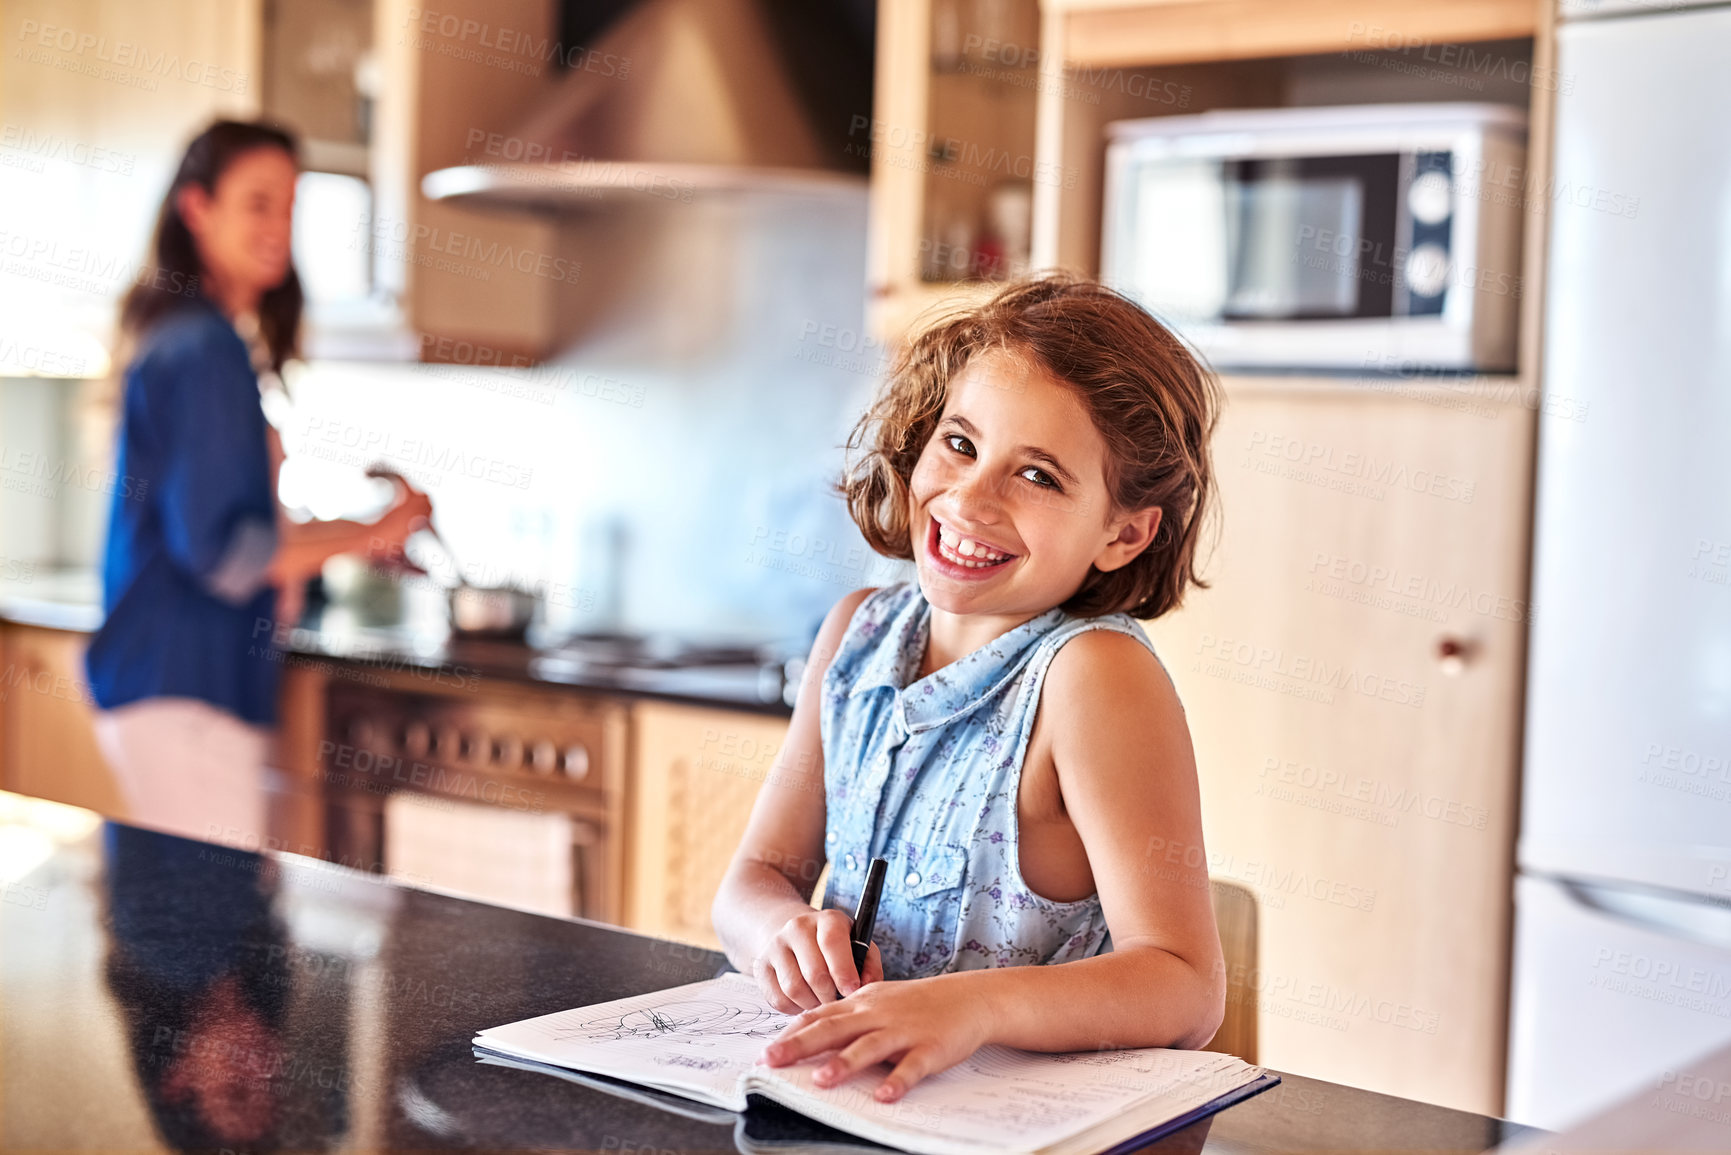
716, 96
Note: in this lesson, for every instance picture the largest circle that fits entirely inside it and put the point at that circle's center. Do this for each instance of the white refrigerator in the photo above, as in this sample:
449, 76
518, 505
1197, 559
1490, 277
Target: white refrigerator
1622, 963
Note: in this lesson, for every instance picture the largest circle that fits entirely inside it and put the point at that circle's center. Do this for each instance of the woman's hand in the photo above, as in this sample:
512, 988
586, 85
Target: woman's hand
809, 962
412, 510
923, 1026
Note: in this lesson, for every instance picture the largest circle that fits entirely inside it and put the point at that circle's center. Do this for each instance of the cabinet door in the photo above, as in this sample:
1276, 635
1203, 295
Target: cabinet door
1352, 685
951, 132
48, 743
695, 774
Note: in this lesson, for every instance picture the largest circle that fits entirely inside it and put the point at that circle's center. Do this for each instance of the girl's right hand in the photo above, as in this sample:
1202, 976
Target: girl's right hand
809, 962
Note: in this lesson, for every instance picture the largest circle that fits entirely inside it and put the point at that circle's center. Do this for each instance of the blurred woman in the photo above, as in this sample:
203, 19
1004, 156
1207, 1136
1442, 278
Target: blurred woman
185, 666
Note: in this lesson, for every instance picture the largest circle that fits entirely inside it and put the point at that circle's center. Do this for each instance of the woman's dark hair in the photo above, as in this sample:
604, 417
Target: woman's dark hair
1153, 401
174, 271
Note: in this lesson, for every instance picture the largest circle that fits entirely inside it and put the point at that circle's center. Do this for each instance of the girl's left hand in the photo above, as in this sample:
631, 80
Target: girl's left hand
922, 1025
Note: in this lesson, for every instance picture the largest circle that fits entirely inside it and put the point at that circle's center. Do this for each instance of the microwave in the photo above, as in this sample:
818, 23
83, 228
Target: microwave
1365, 238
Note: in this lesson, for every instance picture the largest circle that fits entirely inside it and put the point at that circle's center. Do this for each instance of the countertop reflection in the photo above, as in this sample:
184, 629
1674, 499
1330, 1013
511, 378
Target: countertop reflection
159, 993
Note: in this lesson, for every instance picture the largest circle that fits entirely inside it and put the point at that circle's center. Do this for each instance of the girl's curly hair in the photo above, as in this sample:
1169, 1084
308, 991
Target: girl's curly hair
1153, 401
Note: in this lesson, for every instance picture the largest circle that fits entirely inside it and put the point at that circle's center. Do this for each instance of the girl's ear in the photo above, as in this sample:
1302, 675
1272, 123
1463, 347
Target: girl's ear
1135, 532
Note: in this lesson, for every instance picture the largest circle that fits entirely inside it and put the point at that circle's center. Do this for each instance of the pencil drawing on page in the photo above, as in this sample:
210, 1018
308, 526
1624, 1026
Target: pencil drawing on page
699, 1018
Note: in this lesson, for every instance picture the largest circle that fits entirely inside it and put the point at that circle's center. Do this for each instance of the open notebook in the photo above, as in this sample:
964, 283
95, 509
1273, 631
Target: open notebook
701, 1042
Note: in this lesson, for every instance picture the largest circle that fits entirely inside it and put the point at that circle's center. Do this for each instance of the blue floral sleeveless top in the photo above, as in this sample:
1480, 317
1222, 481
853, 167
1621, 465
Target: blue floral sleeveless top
924, 773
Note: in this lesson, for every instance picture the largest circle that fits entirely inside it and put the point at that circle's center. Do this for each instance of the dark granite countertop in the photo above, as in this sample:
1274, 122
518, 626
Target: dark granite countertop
157, 991
72, 600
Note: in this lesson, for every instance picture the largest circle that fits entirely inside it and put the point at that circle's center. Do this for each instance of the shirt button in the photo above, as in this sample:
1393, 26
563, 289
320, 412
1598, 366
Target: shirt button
851, 862
830, 838
913, 878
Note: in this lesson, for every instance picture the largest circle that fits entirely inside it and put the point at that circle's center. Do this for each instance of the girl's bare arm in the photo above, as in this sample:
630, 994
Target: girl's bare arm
1128, 776
773, 873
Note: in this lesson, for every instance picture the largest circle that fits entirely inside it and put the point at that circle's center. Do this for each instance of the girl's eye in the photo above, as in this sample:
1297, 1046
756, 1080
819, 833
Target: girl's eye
965, 448
1041, 478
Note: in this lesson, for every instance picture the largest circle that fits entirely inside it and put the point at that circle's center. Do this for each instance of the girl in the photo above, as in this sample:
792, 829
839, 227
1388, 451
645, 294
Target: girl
183, 666
1000, 730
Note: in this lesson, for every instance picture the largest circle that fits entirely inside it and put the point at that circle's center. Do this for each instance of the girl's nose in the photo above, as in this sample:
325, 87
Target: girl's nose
977, 498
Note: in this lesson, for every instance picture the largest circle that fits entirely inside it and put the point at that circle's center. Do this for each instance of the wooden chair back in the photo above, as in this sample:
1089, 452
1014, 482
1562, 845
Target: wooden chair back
1235, 914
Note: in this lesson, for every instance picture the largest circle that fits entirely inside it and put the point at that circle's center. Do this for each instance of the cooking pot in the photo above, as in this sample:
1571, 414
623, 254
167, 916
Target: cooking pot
501, 612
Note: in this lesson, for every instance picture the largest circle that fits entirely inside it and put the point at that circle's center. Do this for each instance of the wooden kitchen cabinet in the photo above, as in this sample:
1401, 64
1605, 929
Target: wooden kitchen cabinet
953, 115
1352, 683
695, 774
458, 80
1034, 103
47, 734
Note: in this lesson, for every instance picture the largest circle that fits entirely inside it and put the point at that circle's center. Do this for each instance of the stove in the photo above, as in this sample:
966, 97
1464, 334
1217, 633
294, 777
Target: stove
668, 664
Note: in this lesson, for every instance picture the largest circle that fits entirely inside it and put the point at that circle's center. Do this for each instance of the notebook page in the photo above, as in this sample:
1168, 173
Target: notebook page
1001, 1099
697, 1039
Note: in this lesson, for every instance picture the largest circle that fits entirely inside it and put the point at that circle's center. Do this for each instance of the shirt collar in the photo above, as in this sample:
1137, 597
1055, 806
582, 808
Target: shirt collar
961, 686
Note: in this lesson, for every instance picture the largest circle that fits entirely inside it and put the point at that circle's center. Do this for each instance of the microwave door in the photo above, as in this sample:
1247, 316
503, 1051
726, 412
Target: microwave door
1311, 238
1177, 219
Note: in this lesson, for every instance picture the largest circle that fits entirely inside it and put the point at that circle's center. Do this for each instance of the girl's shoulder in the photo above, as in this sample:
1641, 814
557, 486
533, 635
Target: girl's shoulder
872, 606
1101, 646
865, 621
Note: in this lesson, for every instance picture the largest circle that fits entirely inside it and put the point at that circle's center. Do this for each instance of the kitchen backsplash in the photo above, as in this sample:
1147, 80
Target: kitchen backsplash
687, 492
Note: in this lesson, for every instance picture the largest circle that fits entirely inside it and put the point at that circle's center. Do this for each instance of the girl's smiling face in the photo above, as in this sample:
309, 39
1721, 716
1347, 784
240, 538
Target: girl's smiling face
1009, 505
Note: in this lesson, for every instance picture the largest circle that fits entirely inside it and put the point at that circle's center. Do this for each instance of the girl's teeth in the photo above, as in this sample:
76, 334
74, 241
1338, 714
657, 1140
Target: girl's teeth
961, 551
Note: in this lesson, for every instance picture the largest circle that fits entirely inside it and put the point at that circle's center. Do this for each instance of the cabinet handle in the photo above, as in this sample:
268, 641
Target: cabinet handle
1453, 653
575, 761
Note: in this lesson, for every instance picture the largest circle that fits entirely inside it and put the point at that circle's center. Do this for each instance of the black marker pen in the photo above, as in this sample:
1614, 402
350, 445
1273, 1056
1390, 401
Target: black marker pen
866, 917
